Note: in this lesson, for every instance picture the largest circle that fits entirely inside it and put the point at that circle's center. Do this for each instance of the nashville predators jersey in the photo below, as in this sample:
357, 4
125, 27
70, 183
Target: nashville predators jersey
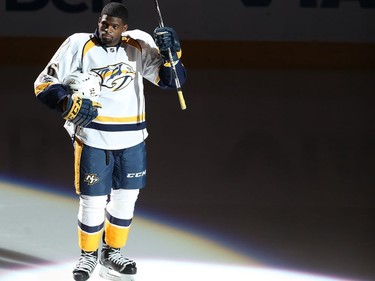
121, 120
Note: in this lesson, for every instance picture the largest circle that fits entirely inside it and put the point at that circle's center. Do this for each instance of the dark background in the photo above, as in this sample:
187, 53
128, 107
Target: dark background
276, 162
274, 155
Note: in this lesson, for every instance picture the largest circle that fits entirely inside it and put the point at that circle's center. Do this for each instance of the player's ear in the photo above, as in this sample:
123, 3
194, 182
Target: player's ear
125, 28
99, 20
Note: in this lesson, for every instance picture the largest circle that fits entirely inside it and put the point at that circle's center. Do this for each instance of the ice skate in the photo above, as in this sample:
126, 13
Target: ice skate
85, 266
115, 267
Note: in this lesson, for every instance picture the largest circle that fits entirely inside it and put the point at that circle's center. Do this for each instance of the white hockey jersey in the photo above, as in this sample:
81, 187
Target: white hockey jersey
121, 121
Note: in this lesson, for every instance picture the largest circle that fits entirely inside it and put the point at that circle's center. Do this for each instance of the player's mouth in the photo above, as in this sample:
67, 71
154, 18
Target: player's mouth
107, 36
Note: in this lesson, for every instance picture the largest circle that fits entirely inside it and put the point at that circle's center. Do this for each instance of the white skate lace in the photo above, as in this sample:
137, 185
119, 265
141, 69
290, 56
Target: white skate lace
87, 262
116, 257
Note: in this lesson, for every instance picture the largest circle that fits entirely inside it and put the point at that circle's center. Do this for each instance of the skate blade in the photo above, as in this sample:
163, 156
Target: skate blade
112, 275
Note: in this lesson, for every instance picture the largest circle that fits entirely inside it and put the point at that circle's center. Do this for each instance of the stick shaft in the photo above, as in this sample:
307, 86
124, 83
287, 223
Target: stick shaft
161, 23
176, 79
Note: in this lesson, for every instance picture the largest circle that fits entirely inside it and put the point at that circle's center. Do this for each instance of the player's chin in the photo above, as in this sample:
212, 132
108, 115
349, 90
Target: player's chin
106, 39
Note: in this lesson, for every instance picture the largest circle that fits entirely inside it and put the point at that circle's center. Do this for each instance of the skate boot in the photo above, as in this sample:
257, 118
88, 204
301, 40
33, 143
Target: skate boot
115, 266
85, 266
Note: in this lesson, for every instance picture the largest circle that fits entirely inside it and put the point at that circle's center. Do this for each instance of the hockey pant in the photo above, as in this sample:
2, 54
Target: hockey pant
96, 215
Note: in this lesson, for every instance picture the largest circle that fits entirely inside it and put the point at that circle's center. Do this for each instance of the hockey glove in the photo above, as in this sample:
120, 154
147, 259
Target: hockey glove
80, 111
166, 38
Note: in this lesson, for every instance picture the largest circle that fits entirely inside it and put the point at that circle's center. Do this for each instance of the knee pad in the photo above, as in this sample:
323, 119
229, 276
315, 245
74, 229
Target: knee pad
119, 216
122, 203
91, 209
91, 221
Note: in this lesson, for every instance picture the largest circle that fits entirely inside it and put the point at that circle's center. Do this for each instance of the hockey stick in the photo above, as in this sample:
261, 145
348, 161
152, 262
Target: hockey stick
176, 79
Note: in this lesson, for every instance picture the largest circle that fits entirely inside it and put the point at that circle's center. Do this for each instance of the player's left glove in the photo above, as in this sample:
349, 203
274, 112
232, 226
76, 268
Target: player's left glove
80, 111
166, 38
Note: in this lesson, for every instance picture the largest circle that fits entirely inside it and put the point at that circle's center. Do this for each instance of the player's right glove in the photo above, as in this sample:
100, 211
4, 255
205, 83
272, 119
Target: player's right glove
80, 111
166, 38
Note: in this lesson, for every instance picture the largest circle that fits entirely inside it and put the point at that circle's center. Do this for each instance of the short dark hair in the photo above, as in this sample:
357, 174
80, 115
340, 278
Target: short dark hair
116, 10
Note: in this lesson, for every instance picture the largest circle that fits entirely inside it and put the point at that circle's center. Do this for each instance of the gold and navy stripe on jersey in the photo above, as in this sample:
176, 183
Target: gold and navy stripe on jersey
89, 44
117, 127
41, 87
117, 124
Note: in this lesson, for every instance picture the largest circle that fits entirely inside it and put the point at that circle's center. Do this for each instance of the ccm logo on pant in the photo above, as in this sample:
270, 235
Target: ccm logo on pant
136, 175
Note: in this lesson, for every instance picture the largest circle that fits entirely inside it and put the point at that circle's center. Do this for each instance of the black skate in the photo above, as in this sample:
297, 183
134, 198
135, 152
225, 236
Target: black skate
115, 266
85, 266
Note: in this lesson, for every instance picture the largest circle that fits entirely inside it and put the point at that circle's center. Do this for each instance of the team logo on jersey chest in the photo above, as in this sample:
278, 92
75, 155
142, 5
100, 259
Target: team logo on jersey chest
117, 76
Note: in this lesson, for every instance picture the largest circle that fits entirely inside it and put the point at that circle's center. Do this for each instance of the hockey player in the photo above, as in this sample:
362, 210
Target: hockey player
109, 133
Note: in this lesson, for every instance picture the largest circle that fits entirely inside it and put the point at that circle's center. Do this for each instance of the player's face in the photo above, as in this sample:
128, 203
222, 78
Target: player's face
110, 29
